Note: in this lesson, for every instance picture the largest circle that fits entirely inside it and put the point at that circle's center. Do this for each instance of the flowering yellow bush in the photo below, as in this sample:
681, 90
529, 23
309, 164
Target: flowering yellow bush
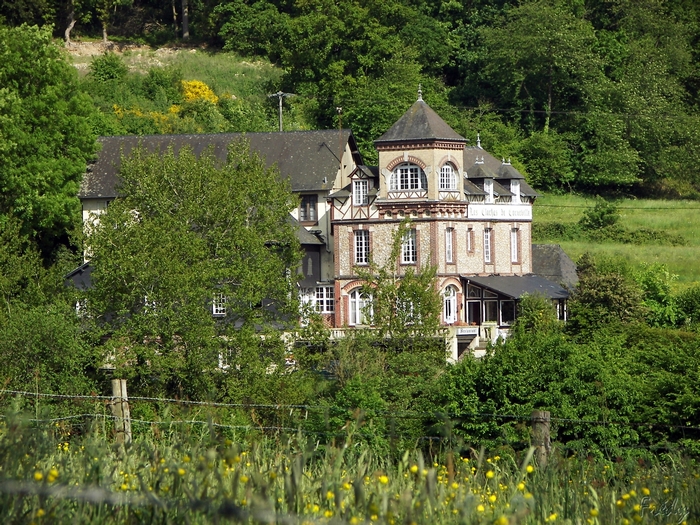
196, 90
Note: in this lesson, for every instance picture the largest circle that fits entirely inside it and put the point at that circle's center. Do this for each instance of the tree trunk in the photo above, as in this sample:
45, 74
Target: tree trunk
71, 24
549, 101
104, 33
185, 21
174, 17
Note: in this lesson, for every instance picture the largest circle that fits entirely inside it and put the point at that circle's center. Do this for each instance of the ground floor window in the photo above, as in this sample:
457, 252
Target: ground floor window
507, 312
474, 312
360, 308
450, 304
490, 311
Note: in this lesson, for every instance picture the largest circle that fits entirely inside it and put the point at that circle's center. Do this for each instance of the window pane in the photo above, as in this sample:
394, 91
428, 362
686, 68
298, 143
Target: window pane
491, 311
449, 234
361, 247
360, 188
408, 248
507, 312
487, 245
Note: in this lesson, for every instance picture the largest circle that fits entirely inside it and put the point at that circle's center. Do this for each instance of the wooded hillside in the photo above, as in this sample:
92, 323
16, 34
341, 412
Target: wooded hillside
594, 95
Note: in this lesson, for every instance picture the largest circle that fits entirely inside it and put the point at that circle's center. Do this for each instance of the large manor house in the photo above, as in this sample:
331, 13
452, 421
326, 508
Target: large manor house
469, 214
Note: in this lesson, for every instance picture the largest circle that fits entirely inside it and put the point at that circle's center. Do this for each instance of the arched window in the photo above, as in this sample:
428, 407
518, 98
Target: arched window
360, 307
450, 304
408, 176
448, 180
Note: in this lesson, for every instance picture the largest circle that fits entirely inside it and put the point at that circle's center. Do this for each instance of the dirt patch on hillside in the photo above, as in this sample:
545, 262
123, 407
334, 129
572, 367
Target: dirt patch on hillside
138, 57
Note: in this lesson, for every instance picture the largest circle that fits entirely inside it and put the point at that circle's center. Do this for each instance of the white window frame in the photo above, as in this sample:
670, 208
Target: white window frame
361, 244
360, 308
515, 190
360, 192
488, 245
470, 240
448, 181
515, 245
325, 299
218, 305
488, 188
409, 249
450, 304
449, 245
408, 176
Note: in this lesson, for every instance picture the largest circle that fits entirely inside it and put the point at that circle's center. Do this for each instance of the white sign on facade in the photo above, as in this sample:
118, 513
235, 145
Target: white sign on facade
500, 212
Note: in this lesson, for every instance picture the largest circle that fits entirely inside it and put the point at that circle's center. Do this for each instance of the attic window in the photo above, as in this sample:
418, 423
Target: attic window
359, 192
408, 176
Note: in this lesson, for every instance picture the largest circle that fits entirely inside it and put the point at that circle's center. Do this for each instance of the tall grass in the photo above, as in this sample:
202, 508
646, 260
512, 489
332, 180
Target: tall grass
675, 217
208, 477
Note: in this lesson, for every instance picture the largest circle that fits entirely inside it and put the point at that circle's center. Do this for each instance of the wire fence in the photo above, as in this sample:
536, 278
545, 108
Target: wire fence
287, 412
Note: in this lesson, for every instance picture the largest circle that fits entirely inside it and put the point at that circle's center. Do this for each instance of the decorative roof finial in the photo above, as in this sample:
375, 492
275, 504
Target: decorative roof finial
503, 160
508, 161
478, 140
420, 93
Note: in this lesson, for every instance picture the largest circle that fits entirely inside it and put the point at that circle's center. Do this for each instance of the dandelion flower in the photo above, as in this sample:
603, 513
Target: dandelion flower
490, 474
383, 480
480, 508
414, 469
38, 476
40, 513
593, 512
530, 469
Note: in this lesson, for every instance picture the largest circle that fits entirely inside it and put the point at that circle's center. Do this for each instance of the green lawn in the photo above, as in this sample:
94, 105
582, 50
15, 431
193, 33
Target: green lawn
677, 217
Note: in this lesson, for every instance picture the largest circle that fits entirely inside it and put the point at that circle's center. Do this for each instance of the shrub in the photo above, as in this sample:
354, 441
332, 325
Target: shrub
109, 66
603, 215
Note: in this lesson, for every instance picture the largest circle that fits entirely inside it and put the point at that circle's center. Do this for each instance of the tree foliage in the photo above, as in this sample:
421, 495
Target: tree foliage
184, 233
47, 136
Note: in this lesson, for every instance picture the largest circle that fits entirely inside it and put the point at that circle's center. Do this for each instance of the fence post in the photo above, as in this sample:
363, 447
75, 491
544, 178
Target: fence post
121, 411
540, 435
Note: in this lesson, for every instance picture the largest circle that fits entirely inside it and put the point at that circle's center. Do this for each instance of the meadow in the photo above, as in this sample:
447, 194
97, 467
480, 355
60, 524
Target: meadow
675, 217
61, 474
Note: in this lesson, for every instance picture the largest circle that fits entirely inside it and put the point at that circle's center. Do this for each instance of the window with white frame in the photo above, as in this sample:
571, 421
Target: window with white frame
515, 245
409, 250
470, 240
408, 176
325, 299
448, 181
360, 308
360, 189
218, 305
450, 304
361, 247
488, 238
488, 188
449, 251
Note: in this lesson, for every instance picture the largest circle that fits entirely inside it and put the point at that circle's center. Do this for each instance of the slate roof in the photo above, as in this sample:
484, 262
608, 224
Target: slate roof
515, 286
420, 122
550, 261
308, 158
304, 236
492, 167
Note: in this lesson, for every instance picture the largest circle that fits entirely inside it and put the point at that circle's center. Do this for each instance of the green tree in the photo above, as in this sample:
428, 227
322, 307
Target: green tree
185, 234
47, 138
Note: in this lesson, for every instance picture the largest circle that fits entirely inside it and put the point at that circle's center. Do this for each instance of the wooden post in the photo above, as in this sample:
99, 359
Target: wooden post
121, 412
540, 435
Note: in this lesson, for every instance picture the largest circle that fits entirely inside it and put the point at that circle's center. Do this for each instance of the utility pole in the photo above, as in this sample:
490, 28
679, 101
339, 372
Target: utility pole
280, 96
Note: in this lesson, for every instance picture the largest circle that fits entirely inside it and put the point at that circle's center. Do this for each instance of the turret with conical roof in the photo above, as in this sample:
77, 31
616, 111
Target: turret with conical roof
421, 157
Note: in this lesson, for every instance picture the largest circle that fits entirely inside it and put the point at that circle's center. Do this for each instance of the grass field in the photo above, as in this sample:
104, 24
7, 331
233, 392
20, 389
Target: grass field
677, 217
51, 476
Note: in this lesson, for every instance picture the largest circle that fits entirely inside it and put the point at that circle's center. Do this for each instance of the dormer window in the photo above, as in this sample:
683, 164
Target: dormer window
488, 188
448, 181
515, 190
360, 189
408, 176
